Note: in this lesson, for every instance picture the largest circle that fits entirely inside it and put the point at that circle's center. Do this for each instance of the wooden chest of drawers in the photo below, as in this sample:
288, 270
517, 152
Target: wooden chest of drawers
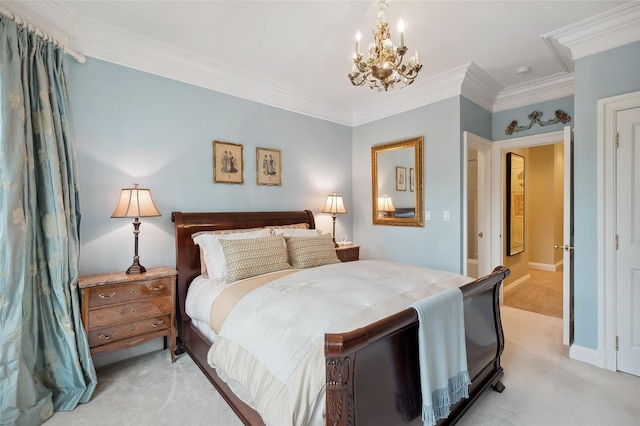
120, 311
348, 253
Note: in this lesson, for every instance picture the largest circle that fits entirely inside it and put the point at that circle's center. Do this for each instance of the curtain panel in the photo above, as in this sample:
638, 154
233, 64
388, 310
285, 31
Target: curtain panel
45, 363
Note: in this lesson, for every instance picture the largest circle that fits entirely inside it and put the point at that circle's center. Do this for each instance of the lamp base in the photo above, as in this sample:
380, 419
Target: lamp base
136, 268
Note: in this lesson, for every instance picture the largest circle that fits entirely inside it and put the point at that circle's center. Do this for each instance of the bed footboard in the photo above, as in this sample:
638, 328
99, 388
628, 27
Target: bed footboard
391, 395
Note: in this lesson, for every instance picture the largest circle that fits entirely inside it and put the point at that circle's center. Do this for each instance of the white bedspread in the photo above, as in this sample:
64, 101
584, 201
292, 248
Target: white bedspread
272, 341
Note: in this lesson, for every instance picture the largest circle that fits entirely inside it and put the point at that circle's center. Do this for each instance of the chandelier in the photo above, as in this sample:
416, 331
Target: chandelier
382, 67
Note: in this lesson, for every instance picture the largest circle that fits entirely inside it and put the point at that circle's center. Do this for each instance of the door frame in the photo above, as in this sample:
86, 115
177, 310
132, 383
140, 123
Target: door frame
607, 124
499, 147
484, 147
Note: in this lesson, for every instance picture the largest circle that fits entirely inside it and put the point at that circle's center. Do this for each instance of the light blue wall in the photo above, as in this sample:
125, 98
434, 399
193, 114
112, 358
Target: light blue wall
610, 73
502, 119
132, 126
437, 245
474, 119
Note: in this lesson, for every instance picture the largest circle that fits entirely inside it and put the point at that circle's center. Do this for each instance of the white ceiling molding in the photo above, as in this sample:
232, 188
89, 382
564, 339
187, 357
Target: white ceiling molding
113, 45
425, 92
556, 86
479, 87
98, 40
607, 30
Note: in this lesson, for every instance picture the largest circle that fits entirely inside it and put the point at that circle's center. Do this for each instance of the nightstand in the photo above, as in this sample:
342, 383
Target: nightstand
120, 311
348, 253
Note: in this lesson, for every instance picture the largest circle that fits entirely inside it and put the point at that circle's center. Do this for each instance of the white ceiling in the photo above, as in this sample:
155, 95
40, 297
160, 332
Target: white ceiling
297, 54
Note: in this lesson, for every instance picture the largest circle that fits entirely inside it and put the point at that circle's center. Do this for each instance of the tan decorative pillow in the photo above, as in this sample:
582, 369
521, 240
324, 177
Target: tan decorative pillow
213, 265
308, 252
255, 256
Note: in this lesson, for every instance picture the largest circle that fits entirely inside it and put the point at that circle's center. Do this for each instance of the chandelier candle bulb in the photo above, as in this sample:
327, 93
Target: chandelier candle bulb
358, 37
401, 29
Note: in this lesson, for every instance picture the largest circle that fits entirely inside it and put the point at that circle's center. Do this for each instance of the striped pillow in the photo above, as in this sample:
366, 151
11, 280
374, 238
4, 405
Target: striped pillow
254, 256
308, 252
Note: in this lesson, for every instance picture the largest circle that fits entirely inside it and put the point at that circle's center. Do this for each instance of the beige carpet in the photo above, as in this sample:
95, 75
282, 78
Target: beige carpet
543, 387
542, 293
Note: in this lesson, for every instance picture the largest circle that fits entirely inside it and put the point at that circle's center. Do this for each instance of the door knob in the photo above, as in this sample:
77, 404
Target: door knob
566, 247
480, 235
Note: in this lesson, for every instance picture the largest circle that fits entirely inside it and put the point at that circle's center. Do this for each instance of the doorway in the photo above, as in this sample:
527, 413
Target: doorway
536, 282
500, 148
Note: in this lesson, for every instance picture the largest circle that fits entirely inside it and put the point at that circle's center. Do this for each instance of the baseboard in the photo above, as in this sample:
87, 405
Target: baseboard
545, 266
588, 355
516, 283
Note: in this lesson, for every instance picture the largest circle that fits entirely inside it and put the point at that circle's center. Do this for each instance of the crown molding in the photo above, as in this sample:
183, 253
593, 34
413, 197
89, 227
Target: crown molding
605, 31
110, 44
434, 89
542, 89
480, 87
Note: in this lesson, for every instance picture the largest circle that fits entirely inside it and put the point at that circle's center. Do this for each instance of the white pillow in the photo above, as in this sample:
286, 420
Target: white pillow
297, 232
213, 253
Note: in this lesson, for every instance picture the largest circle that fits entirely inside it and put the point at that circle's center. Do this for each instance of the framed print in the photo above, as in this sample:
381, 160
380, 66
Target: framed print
412, 179
401, 178
515, 204
268, 166
227, 162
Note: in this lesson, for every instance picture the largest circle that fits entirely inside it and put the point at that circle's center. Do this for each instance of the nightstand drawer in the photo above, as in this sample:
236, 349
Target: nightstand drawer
129, 311
348, 253
103, 336
128, 342
110, 294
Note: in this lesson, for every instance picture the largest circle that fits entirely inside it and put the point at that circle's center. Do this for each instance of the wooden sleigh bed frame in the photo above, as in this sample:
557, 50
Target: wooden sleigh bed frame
372, 373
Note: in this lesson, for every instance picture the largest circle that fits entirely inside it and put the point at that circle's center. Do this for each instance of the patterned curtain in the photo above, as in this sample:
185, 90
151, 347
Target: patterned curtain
45, 363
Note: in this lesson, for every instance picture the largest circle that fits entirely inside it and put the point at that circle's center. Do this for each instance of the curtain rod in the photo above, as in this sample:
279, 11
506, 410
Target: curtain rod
32, 29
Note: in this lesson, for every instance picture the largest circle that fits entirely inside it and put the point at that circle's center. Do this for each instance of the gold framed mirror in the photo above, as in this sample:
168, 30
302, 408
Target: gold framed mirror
396, 170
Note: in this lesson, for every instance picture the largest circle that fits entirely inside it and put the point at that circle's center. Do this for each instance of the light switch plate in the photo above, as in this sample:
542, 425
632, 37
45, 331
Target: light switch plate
445, 215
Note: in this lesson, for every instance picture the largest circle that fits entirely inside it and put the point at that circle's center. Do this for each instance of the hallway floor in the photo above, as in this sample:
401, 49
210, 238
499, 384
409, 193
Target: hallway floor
542, 293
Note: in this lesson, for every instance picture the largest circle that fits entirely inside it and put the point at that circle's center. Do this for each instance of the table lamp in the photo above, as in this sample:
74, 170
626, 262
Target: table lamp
334, 205
135, 202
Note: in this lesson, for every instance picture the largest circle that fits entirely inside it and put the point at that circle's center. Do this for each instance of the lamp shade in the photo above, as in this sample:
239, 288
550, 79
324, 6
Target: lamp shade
334, 204
385, 204
135, 202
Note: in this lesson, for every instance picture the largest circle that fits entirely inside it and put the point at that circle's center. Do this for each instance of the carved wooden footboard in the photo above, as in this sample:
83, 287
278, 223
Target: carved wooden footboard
372, 373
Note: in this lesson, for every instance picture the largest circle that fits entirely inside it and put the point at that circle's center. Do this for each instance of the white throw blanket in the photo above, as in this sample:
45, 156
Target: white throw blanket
444, 377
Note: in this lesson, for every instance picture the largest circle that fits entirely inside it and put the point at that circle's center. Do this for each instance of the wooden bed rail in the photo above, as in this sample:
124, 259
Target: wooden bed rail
342, 344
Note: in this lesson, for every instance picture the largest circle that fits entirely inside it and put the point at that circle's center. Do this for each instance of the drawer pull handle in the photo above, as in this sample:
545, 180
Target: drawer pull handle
160, 287
133, 291
132, 328
135, 342
133, 311
155, 324
102, 296
104, 336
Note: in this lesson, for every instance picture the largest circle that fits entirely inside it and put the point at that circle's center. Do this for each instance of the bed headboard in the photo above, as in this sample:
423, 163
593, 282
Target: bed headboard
186, 224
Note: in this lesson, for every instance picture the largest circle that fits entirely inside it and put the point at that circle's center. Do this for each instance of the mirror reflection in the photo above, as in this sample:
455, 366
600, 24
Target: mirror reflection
397, 183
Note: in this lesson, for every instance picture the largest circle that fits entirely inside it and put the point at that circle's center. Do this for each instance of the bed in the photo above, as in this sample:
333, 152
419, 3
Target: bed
366, 369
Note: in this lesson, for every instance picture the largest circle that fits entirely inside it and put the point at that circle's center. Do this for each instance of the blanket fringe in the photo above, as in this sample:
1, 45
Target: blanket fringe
443, 399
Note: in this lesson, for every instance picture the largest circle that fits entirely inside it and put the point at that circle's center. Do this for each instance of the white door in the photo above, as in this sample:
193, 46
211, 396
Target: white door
567, 257
478, 208
627, 231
